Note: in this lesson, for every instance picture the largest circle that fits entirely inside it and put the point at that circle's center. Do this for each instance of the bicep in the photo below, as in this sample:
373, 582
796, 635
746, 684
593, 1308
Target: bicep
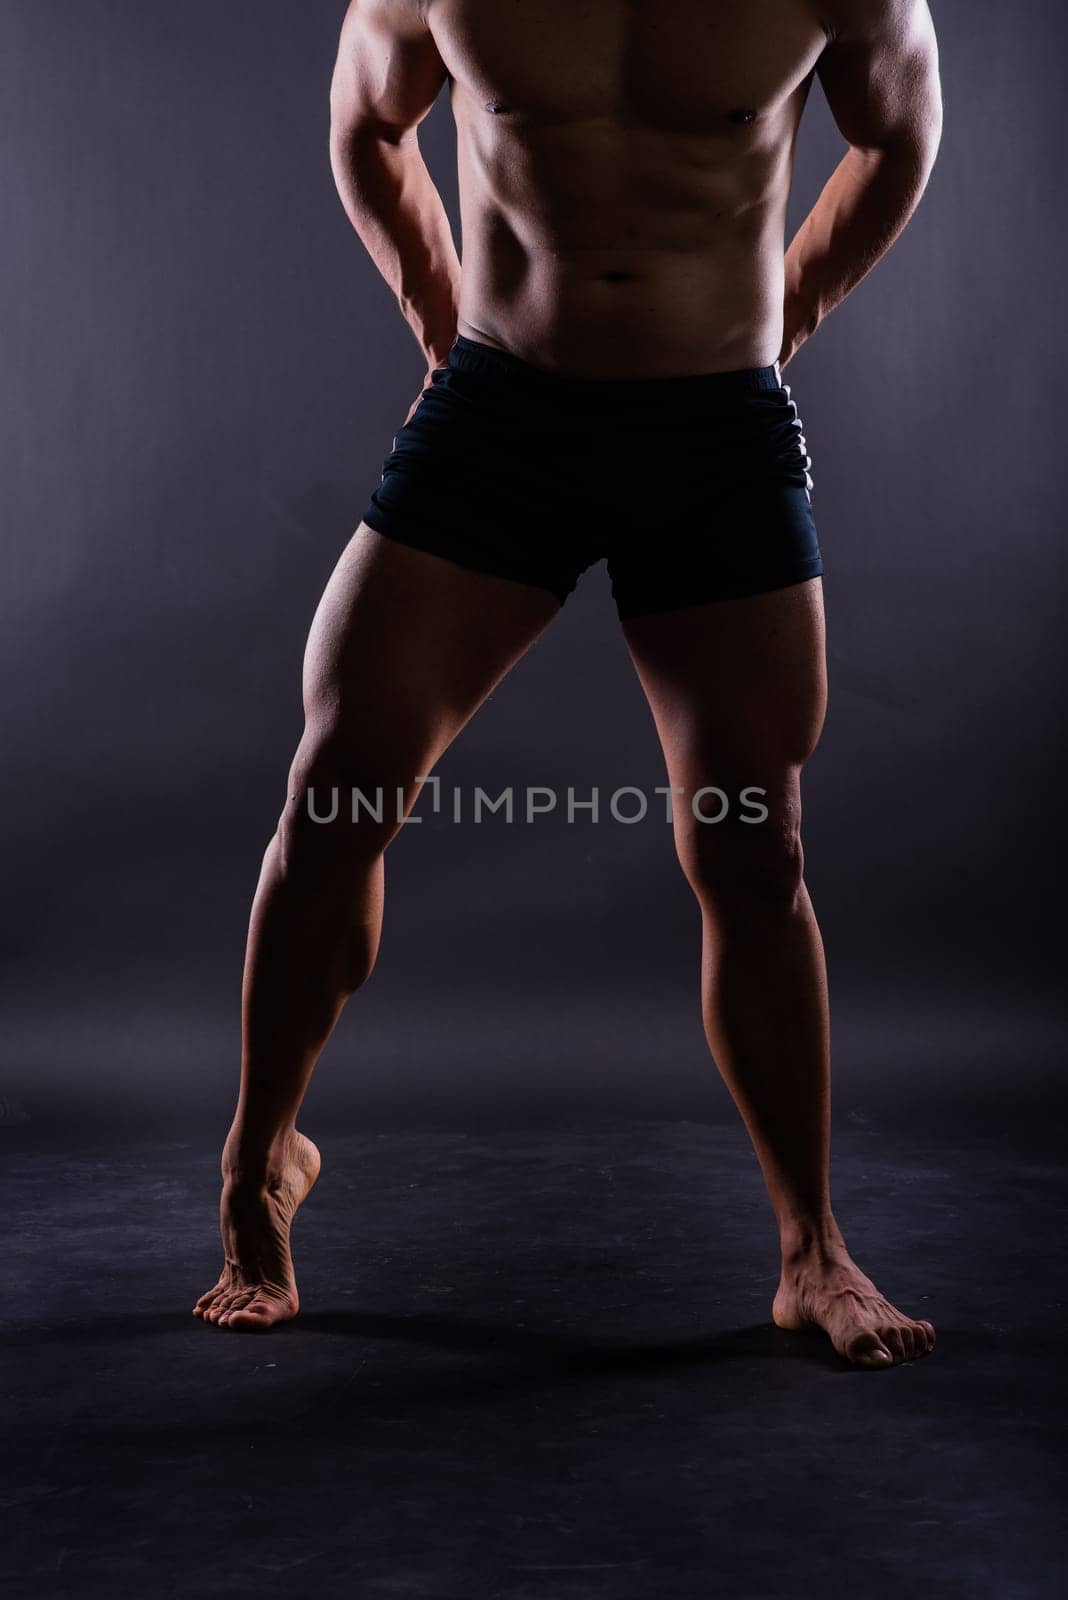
388, 71
880, 74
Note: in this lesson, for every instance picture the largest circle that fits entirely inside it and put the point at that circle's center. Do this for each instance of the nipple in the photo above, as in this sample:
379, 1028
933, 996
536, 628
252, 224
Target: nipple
496, 106
743, 116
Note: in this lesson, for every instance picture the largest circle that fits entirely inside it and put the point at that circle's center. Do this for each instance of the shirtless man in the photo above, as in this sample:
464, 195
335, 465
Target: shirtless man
603, 379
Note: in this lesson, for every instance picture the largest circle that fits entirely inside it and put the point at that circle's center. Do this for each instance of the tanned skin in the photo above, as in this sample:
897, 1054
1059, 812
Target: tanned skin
624, 174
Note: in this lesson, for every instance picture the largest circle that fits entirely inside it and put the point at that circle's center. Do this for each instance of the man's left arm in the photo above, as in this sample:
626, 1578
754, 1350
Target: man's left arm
879, 72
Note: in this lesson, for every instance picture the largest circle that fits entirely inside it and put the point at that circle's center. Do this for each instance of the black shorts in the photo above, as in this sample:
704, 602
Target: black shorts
694, 488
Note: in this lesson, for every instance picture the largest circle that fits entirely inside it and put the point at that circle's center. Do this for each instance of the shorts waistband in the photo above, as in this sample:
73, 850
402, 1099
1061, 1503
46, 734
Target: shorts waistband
469, 355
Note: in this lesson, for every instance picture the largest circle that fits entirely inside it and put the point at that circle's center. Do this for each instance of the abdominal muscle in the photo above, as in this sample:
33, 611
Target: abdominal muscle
604, 253
669, 315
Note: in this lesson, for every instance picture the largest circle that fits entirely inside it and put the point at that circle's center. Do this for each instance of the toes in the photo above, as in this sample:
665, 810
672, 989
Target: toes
261, 1312
891, 1344
253, 1316
229, 1301
236, 1302
218, 1306
878, 1356
254, 1319
243, 1308
894, 1340
868, 1350
923, 1337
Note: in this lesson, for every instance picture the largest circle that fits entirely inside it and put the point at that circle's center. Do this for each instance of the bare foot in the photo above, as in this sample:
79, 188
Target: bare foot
257, 1288
823, 1287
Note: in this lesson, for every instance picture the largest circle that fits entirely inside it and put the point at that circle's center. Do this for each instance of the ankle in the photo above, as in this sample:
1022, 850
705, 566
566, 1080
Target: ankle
251, 1160
809, 1239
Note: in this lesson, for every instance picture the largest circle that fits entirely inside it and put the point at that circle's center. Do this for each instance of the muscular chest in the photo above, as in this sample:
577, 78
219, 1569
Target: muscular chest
691, 66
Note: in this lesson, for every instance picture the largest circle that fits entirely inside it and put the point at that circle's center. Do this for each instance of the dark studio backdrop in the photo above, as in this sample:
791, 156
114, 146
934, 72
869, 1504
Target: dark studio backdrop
202, 373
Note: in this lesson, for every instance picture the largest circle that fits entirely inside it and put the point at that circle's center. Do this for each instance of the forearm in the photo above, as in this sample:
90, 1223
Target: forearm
391, 201
865, 205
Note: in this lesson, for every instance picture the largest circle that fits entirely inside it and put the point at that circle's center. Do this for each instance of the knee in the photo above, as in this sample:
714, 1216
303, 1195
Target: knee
336, 813
745, 867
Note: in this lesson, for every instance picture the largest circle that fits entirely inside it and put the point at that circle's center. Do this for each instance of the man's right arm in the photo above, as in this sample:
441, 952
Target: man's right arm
387, 76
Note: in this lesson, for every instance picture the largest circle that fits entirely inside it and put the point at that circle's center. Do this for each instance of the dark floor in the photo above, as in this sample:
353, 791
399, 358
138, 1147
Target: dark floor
533, 1365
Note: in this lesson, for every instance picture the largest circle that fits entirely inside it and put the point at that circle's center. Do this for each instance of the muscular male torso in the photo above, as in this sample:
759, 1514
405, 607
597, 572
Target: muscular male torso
624, 173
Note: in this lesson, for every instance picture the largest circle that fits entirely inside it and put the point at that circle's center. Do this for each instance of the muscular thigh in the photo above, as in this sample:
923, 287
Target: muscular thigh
403, 648
737, 687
